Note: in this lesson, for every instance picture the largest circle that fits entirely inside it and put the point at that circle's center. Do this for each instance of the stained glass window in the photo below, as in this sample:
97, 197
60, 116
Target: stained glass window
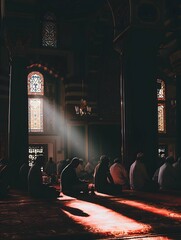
49, 31
35, 101
161, 118
161, 106
35, 84
35, 114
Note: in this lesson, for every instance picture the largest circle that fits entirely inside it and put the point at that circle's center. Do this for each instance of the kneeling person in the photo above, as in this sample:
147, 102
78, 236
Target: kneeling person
70, 183
36, 188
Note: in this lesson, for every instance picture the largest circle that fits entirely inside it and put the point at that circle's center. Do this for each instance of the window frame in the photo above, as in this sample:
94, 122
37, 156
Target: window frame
161, 101
36, 95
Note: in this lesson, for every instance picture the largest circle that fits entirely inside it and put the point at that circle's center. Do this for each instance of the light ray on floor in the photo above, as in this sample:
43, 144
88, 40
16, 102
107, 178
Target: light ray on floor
99, 219
145, 207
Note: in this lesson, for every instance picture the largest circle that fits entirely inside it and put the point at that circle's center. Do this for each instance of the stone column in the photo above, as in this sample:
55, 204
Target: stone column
18, 116
175, 60
178, 115
138, 49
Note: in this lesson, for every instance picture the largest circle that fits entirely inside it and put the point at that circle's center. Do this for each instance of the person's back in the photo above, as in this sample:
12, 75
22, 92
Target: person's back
50, 167
69, 182
68, 178
80, 170
36, 188
166, 176
138, 174
90, 167
35, 180
62, 164
119, 173
160, 162
23, 176
103, 180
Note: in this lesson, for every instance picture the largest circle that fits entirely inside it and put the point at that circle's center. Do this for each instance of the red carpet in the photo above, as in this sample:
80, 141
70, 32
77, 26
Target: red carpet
130, 216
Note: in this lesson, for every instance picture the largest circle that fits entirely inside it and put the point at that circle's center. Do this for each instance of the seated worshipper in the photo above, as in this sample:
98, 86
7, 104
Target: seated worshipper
89, 168
36, 188
177, 168
166, 175
61, 165
23, 176
138, 176
80, 169
160, 162
69, 181
103, 180
51, 169
119, 174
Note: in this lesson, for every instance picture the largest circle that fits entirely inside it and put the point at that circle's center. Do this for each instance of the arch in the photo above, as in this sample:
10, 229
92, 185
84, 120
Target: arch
35, 83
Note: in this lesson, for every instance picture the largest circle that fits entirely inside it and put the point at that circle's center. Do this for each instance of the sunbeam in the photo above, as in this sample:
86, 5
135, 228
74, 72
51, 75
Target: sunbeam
57, 122
100, 219
160, 211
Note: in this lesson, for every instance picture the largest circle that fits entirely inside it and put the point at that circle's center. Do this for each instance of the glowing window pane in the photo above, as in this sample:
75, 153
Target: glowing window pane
161, 118
49, 31
161, 90
35, 84
35, 114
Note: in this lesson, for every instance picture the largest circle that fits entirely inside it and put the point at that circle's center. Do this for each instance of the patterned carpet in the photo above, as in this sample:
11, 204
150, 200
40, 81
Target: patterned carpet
133, 215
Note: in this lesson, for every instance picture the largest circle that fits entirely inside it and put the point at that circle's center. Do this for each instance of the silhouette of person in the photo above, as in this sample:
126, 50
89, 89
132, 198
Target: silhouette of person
166, 175
138, 176
51, 169
103, 180
119, 173
23, 176
36, 188
69, 181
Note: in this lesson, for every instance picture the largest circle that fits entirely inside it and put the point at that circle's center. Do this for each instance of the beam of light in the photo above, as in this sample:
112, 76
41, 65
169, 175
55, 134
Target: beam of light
152, 209
57, 122
99, 219
146, 207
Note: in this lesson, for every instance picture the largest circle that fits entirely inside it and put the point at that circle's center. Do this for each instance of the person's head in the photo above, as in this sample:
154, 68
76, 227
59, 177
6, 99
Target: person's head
140, 156
75, 162
40, 160
104, 160
51, 159
117, 160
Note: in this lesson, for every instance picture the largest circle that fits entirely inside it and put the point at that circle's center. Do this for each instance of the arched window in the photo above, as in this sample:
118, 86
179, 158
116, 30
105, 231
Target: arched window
35, 83
49, 31
161, 106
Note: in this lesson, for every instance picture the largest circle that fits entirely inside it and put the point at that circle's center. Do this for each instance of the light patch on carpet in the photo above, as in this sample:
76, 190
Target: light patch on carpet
145, 207
99, 219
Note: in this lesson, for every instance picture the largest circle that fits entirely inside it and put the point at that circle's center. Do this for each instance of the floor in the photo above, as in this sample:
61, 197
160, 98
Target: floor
133, 215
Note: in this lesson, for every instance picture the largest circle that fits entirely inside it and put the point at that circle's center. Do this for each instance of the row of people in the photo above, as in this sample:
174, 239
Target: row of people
107, 178
113, 178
